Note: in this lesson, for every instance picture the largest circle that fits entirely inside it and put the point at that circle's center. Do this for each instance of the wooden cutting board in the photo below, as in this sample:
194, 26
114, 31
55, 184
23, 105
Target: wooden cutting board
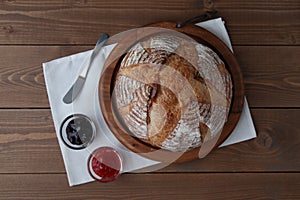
123, 134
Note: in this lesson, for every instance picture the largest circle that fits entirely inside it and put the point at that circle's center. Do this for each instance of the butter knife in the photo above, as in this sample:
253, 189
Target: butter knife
73, 92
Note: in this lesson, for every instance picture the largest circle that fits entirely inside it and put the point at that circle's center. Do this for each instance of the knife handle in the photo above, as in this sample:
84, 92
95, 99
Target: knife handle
88, 61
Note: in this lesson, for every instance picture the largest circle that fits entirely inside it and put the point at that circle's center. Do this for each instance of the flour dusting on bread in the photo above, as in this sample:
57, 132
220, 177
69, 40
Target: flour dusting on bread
171, 102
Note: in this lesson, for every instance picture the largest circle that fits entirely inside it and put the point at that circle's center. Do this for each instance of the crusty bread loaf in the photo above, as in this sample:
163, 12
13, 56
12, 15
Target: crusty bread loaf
172, 93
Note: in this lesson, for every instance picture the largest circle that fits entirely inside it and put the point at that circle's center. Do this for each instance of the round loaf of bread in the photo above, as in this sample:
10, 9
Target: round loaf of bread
173, 93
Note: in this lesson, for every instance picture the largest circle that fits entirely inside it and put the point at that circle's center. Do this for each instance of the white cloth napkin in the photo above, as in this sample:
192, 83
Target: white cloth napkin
61, 73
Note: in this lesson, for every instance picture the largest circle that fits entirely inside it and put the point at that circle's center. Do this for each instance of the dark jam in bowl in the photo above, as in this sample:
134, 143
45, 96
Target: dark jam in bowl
105, 164
77, 131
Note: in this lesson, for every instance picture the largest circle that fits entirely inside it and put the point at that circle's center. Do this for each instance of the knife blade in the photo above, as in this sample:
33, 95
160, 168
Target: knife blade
75, 89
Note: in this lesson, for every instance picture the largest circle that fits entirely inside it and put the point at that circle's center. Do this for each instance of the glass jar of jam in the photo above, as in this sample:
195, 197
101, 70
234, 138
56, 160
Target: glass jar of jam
77, 131
105, 164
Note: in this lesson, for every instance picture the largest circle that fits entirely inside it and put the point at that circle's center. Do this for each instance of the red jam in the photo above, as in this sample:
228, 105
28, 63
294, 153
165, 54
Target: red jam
105, 164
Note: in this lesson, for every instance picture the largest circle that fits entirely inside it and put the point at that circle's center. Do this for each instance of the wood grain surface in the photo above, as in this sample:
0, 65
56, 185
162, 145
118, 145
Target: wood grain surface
266, 39
81, 22
159, 186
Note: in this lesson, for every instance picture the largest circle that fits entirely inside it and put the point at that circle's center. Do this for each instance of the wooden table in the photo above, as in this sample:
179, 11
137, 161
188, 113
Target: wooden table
266, 38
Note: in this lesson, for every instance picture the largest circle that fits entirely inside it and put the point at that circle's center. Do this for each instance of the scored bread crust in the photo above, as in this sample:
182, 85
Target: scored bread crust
172, 93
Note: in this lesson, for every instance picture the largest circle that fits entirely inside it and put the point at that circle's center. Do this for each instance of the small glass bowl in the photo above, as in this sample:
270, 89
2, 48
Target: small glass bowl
105, 164
77, 131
